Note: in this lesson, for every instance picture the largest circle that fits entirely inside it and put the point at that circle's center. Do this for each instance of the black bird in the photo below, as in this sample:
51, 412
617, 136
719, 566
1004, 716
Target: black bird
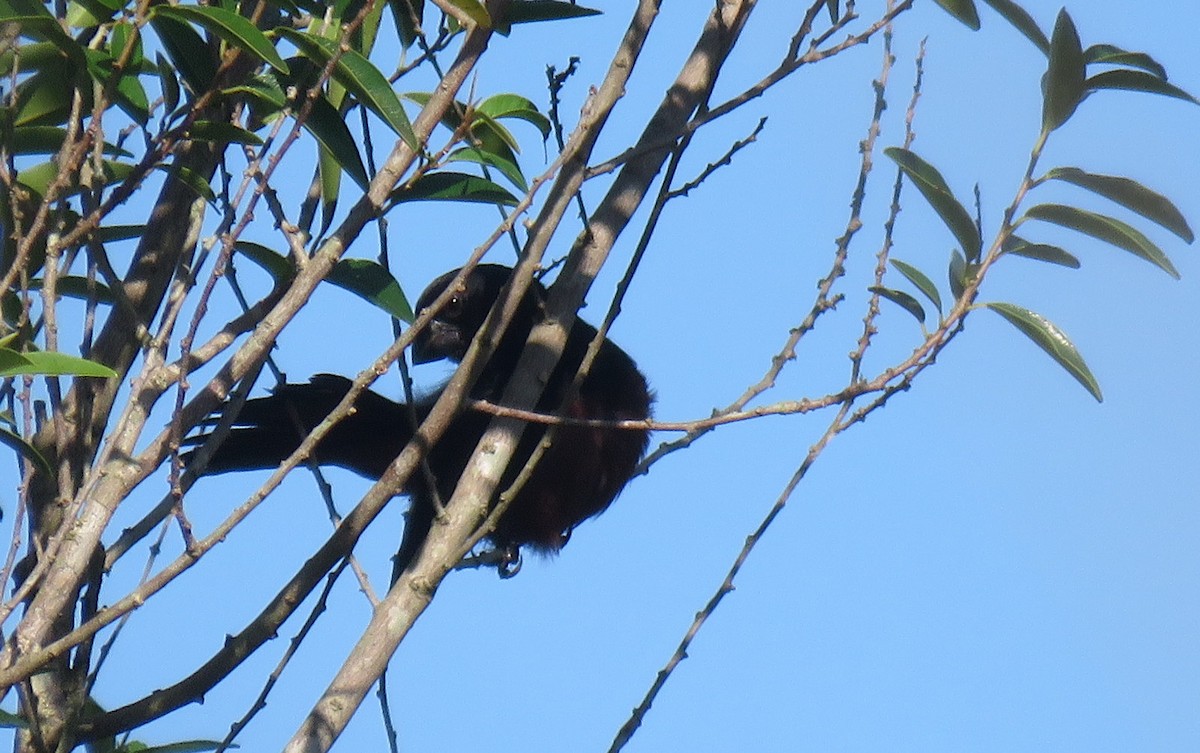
578, 477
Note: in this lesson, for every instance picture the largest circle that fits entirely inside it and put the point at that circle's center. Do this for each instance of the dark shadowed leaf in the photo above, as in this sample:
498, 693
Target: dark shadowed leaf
450, 186
1018, 17
222, 133
1138, 81
1063, 85
933, 187
371, 282
957, 274
921, 280
408, 15
1040, 251
234, 30
30, 453
901, 299
187, 50
1051, 339
1112, 55
1108, 229
834, 8
79, 287
532, 11
326, 124
1131, 195
11, 359
48, 140
963, 10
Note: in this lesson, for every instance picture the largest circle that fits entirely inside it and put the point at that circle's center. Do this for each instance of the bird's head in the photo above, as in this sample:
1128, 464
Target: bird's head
451, 332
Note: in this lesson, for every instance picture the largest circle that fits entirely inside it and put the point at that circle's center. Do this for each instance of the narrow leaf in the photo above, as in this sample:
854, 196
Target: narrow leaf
1051, 339
277, 265
1039, 251
1112, 55
532, 11
187, 50
408, 15
451, 186
1105, 228
1131, 195
919, 278
233, 29
59, 364
329, 128
474, 10
963, 10
901, 299
1138, 81
1024, 23
79, 287
371, 282
933, 187
10, 360
222, 133
14, 441
506, 167
957, 274
1063, 85
361, 77
516, 106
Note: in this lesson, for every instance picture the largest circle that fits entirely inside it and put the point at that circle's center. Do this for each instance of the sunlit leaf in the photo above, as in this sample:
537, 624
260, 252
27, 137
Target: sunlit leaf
1108, 229
963, 10
474, 10
10, 360
359, 76
507, 168
451, 186
1063, 85
371, 282
59, 364
1139, 81
1051, 339
901, 299
1131, 195
1024, 23
515, 106
236, 31
920, 280
277, 265
933, 187
1039, 251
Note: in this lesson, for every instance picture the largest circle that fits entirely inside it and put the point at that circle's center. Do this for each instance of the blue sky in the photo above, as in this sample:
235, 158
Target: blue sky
994, 562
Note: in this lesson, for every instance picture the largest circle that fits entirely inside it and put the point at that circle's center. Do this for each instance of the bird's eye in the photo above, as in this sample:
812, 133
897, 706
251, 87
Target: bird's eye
453, 307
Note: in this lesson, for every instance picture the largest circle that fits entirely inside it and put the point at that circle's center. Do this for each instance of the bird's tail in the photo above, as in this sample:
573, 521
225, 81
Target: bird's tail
269, 429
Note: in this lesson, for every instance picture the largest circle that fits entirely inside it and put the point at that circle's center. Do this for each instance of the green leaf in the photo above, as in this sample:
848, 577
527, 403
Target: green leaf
279, 266
1051, 339
1138, 81
233, 29
507, 168
359, 76
451, 186
958, 274
1107, 54
14, 441
187, 746
222, 133
1105, 228
1063, 85
9, 719
370, 281
474, 10
933, 187
192, 180
10, 360
901, 299
1024, 23
187, 50
920, 280
515, 106
1040, 251
48, 140
834, 8
533, 11
47, 28
326, 124
408, 15
168, 82
59, 364
963, 10
79, 287
1131, 195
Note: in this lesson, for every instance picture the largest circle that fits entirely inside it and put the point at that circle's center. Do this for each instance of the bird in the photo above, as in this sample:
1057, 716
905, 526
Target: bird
578, 477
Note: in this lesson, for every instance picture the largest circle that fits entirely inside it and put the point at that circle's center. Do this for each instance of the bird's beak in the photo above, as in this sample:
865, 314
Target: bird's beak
437, 341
